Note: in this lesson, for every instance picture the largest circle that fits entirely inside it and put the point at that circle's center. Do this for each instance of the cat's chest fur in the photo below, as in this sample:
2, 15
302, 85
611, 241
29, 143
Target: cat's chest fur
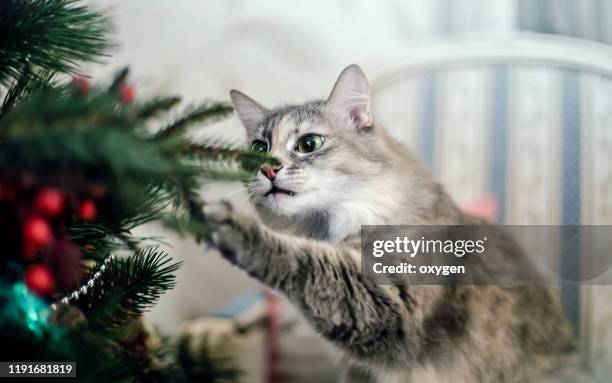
345, 219
423, 373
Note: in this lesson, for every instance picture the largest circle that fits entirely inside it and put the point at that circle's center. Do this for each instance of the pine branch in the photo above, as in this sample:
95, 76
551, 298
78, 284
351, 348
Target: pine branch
193, 205
78, 139
28, 83
59, 132
53, 35
119, 79
156, 107
57, 109
205, 113
127, 288
95, 241
249, 161
185, 225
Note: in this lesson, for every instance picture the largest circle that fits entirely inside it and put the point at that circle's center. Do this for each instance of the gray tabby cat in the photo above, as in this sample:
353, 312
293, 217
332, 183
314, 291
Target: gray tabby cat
338, 171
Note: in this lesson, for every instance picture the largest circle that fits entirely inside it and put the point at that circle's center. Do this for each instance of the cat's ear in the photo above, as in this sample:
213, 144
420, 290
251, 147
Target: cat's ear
350, 98
249, 111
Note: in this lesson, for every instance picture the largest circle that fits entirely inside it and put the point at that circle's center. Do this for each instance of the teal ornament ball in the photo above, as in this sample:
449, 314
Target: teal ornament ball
20, 307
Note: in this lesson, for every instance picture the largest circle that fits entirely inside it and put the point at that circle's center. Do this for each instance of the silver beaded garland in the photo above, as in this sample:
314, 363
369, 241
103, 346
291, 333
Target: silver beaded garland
83, 290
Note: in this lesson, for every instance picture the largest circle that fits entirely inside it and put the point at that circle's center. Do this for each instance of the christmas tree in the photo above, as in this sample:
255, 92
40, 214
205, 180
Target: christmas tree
80, 167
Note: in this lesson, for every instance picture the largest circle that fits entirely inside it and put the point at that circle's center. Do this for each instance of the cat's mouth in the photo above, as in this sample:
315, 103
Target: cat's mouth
275, 189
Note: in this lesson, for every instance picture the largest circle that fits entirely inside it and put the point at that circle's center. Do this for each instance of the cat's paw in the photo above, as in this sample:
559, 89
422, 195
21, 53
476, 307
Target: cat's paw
229, 231
218, 213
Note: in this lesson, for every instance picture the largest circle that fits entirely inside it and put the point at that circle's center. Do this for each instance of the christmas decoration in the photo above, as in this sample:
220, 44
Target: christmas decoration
39, 280
126, 94
81, 166
88, 285
50, 202
80, 85
23, 309
36, 232
87, 210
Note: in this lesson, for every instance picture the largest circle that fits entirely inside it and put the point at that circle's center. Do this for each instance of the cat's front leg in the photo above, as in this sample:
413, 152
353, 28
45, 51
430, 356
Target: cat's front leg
247, 243
323, 280
235, 235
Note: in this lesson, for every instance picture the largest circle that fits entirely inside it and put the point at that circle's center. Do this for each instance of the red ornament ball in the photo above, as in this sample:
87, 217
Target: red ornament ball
38, 278
80, 85
126, 94
88, 210
50, 202
37, 232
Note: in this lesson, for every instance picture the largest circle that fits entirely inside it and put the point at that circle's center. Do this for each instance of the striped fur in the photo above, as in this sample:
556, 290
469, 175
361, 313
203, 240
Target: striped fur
306, 246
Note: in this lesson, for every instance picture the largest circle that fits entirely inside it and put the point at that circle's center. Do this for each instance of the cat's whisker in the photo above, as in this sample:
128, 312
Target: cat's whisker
234, 192
247, 197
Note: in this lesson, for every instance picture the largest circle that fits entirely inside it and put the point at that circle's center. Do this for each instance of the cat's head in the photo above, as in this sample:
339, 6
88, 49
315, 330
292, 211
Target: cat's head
328, 150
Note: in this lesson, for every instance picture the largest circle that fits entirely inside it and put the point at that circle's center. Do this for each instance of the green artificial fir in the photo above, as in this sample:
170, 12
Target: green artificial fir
81, 166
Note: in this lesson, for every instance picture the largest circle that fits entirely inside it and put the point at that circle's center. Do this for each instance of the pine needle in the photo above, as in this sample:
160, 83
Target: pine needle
53, 35
205, 113
127, 288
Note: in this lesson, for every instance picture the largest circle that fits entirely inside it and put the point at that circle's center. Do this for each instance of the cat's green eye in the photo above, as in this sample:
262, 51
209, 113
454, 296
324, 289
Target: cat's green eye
309, 143
259, 146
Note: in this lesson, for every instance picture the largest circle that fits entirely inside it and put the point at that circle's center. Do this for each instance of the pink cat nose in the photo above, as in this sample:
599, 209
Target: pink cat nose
270, 171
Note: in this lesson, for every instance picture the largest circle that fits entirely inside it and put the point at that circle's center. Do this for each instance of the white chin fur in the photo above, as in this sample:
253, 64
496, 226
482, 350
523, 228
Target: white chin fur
347, 207
312, 194
279, 202
296, 205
